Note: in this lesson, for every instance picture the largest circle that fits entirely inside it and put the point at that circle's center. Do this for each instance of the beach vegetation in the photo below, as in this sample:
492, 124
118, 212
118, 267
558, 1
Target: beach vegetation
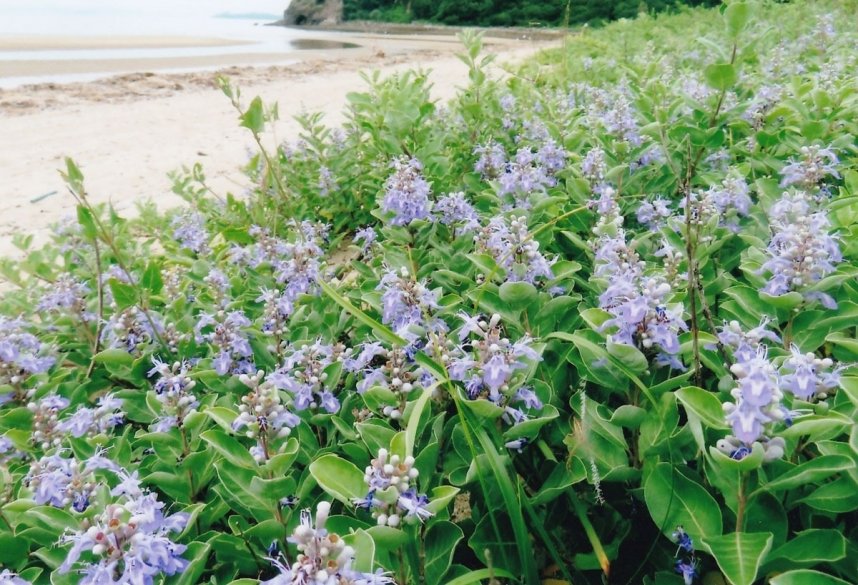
591, 321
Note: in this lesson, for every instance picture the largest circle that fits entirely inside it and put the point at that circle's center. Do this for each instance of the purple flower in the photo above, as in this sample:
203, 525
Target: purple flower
129, 544
455, 209
688, 570
801, 251
21, 353
67, 294
806, 376
367, 237
492, 160
263, 416
225, 333
593, 166
757, 397
414, 505
327, 182
189, 229
407, 302
406, 193
815, 165
7, 577
323, 557
303, 375
514, 250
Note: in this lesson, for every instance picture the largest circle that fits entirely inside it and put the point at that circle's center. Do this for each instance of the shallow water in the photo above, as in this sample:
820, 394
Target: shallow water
242, 21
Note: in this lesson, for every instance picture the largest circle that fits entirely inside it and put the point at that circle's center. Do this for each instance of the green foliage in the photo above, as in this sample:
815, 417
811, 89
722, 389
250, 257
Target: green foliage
512, 13
596, 447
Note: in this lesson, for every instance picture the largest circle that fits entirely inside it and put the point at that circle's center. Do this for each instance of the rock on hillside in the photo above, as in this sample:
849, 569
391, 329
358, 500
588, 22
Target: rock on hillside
304, 12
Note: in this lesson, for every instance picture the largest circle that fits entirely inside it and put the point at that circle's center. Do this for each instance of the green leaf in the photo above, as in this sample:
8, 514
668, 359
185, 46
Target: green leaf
440, 544
87, 222
123, 293
254, 117
628, 355
384, 333
440, 497
740, 554
517, 295
806, 577
838, 497
812, 547
674, 500
56, 519
736, 17
152, 280
414, 418
341, 479
364, 547
704, 405
229, 447
811, 471
198, 555
12, 549
481, 575
222, 416
721, 76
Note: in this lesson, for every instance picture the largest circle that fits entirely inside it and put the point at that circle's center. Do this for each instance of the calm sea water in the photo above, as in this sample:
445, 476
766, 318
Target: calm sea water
240, 20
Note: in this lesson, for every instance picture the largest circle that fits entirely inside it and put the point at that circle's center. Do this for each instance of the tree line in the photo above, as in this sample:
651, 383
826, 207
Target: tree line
508, 12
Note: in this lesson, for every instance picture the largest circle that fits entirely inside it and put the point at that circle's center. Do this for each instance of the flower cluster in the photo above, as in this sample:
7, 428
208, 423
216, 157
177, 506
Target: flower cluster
454, 208
594, 167
93, 421
391, 497
638, 302
744, 344
486, 361
7, 577
492, 160
46, 424
300, 263
613, 111
21, 353
397, 373
173, 392
530, 172
67, 294
323, 557
808, 377
130, 329
757, 405
231, 346
801, 251
65, 481
686, 566
128, 543
277, 308
814, 166
514, 249
303, 375
189, 229
264, 416
407, 302
406, 192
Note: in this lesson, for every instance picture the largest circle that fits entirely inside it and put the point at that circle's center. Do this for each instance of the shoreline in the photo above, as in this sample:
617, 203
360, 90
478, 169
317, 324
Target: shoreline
127, 132
15, 43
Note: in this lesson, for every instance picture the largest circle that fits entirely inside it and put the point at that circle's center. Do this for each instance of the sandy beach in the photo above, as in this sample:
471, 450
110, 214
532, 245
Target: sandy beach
128, 131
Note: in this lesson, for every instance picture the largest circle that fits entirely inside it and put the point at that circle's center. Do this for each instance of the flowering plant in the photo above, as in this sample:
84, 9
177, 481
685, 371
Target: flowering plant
591, 323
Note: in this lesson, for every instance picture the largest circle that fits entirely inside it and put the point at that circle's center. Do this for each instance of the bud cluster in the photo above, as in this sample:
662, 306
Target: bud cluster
391, 497
263, 415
